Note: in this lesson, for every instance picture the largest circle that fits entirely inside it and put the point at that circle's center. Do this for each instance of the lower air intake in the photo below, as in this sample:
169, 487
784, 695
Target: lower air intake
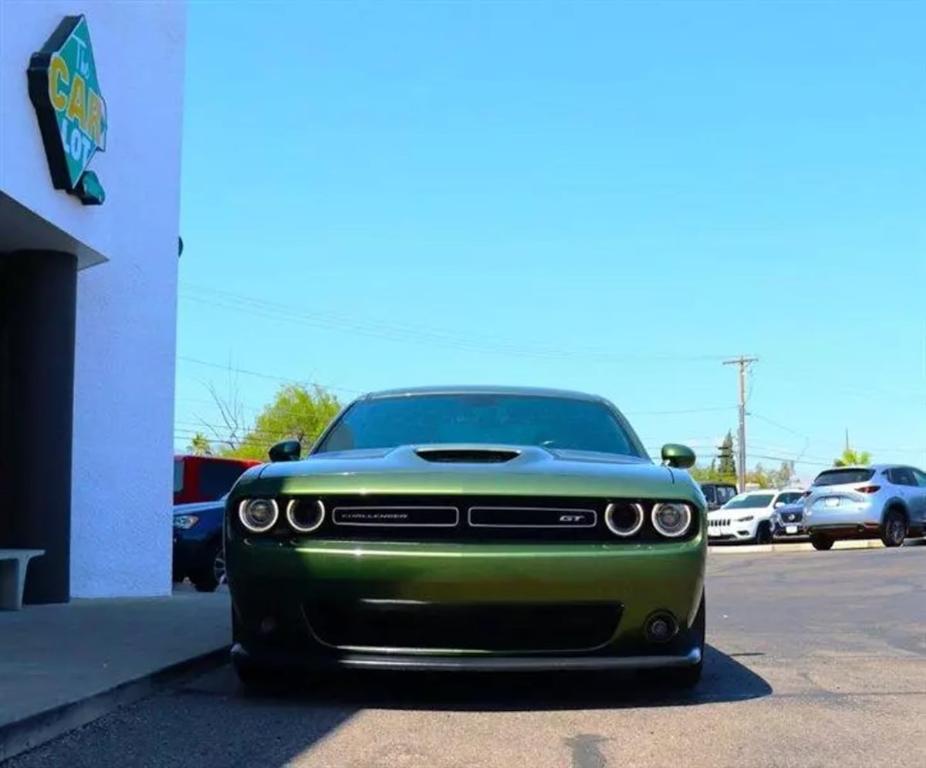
410, 625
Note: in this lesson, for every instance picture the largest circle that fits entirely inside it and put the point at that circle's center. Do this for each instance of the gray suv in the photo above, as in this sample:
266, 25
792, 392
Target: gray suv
883, 500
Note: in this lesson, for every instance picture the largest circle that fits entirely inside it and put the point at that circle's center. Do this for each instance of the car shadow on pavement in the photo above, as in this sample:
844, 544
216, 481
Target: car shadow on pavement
725, 680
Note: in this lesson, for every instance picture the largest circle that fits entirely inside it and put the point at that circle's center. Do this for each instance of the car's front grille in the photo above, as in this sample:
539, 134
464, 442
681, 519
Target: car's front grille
719, 522
396, 516
792, 517
475, 518
414, 625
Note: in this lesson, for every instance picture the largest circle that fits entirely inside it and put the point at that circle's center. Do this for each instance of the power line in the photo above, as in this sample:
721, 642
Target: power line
711, 409
259, 374
417, 334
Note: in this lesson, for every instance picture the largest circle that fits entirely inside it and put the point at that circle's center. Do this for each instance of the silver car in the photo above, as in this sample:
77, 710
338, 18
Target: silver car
886, 501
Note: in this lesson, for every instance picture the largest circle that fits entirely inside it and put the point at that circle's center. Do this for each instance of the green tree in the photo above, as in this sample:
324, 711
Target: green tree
200, 445
852, 458
296, 411
726, 465
758, 476
782, 477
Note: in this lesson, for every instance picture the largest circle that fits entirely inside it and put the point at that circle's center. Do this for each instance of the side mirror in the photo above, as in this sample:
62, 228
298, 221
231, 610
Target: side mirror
779, 504
678, 456
287, 450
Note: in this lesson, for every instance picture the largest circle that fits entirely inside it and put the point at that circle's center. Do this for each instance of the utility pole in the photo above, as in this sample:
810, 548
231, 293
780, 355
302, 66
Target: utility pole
743, 362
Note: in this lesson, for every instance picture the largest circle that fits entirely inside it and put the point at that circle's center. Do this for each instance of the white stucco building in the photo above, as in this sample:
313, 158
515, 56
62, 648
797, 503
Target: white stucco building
88, 291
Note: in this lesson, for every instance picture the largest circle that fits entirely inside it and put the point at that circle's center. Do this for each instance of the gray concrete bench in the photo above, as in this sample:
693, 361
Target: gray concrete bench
13, 564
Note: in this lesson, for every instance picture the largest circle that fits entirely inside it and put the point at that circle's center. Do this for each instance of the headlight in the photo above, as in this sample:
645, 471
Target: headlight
746, 519
672, 519
305, 515
185, 522
258, 515
624, 519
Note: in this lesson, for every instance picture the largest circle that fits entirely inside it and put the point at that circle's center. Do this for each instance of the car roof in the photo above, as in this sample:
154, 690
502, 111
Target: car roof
864, 467
483, 390
770, 490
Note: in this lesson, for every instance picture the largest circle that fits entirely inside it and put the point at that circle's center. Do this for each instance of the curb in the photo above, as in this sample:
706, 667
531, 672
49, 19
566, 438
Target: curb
33, 731
733, 549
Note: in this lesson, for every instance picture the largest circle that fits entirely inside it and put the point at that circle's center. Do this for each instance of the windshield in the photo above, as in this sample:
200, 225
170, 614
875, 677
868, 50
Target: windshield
844, 476
551, 422
750, 502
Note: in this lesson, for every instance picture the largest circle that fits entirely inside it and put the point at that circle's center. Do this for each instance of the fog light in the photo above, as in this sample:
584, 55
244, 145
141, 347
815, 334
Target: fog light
661, 627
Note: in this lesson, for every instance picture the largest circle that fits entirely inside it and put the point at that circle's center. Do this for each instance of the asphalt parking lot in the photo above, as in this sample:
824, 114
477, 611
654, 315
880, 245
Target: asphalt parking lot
815, 659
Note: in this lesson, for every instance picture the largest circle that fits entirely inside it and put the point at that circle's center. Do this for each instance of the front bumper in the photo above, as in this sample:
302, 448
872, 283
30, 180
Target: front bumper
781, 530
474, 664
277, 589
733, 531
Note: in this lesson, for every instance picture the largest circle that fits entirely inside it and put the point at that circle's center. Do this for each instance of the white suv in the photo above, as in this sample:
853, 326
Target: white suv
748, 517
886, 501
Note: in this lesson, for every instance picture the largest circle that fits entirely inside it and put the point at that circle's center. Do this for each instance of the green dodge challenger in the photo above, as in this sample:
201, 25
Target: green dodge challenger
469, 528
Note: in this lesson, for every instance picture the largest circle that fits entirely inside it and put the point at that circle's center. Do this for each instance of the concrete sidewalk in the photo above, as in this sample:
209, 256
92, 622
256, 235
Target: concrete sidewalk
64, 665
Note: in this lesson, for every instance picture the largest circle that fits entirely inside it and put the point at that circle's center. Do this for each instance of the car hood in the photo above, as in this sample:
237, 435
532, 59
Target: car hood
725, 512
475, 469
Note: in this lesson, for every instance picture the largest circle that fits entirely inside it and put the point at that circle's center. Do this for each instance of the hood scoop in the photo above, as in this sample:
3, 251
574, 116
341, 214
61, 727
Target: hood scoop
467, 455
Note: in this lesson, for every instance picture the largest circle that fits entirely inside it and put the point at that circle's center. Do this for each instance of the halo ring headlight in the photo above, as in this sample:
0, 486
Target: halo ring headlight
628, 528
258, 515
292, 508
671, 519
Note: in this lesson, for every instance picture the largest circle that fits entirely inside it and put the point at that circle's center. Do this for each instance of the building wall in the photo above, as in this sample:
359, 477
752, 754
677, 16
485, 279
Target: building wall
126, 307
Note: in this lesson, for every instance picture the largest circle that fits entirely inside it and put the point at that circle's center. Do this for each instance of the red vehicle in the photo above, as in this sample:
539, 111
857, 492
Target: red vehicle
206, 478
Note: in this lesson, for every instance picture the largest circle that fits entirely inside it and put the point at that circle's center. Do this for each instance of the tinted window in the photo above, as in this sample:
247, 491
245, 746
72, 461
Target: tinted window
725, 493
755, 501
788, 498
178, 475
552, 422
920, 478
902, 476
710, 493
844, 476
217, 477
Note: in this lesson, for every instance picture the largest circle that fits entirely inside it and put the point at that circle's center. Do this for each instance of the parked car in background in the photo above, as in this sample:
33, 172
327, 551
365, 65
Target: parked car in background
206, 478
748, 517
198, 552
788, 520
717, 494
885, 501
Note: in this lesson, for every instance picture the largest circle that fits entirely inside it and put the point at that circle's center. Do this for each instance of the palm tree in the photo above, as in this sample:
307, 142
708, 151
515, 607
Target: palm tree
852, 458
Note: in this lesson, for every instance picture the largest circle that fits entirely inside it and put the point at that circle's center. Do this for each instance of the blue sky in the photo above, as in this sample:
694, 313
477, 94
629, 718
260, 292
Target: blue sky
610, 197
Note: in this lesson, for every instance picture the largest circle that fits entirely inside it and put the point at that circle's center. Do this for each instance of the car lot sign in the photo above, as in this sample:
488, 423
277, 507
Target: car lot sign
65, 92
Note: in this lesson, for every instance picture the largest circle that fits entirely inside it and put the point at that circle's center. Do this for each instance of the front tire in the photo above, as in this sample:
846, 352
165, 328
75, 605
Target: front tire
689, 677
820, 542
211, 572
894, 528
255, 678
764, 533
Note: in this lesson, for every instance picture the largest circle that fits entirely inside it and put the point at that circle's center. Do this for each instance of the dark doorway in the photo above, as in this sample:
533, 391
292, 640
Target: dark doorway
37, 316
